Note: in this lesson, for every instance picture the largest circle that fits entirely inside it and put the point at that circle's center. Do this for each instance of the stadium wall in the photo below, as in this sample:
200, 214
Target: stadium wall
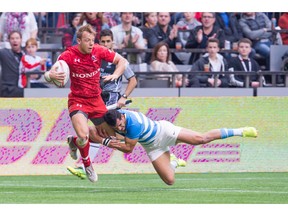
33, 133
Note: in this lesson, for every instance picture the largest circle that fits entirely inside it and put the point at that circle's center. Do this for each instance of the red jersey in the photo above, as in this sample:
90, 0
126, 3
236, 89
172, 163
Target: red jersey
85, 69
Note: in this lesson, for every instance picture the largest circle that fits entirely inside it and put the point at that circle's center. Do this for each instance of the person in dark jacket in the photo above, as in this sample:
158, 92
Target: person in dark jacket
10, 60
199, 36
70, 32
210, 62
229, 23
243, 63
163, 32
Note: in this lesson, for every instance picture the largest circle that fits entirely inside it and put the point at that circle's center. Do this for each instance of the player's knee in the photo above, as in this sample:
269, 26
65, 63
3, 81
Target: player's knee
169, 181
82, 141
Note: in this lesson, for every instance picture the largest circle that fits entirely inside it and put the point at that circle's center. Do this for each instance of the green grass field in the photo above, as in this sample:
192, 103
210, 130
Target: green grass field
210, 188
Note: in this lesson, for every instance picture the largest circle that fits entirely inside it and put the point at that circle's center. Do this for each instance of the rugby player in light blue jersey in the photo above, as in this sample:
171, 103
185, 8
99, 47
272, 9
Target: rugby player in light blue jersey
157, 136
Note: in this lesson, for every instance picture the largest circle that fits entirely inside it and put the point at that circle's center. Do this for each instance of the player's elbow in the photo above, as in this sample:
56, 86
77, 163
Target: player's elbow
133, 81
201, 139
129, 150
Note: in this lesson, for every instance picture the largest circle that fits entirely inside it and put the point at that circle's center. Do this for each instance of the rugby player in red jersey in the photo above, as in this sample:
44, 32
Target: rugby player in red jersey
84, 100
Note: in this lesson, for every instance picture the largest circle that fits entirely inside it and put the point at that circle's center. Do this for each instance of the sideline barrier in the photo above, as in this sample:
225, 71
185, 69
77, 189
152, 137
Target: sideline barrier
168, 92
33, 133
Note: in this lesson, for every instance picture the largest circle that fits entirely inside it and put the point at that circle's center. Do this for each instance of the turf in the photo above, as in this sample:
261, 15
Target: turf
210, 188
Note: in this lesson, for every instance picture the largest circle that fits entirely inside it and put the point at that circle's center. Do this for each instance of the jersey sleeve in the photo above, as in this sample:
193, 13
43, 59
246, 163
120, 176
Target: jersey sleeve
65, 56
106, 54
134, 131
128, 73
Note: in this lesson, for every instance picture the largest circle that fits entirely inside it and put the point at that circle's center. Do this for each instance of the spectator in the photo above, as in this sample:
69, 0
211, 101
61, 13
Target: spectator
243, 63
160, 61
68, 39
96, 20
41, 18
163, 32
137, 19
210, 62
283, 24
186, 23
199, 35
113, 18
229, 23
150, 22
24, 22
31, 62
10, 60
128, 36
255, 27
175, 17
197, 16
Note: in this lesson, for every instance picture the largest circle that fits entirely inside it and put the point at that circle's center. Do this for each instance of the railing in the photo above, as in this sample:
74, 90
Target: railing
275, 32
142, 75
126, 51
153, 75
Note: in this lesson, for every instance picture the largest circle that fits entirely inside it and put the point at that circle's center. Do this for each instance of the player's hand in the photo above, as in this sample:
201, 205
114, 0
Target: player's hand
135, 39
213, 36
43, 61
210, 81
56, 75
121, 102
199, 36
111, 142
110, 78
255, 84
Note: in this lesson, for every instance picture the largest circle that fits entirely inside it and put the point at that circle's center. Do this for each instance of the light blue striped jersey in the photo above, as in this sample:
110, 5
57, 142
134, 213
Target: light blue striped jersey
140, 127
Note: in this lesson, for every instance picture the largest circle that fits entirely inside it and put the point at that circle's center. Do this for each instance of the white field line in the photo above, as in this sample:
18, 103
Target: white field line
227, 190
125, 189
4, 183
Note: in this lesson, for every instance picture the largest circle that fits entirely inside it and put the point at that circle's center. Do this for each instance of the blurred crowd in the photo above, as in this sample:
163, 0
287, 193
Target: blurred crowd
150, 35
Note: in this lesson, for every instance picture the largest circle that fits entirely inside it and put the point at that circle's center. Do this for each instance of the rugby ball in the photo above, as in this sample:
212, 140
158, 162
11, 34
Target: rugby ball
62, 66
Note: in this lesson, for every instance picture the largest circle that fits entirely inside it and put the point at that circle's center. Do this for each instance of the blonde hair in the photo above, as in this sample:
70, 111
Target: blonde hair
88, 28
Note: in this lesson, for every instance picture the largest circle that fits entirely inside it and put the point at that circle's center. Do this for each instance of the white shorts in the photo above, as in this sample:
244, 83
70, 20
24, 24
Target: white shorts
166, 137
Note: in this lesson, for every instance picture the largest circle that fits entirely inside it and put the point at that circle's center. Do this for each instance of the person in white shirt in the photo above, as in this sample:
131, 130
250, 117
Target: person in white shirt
128, 36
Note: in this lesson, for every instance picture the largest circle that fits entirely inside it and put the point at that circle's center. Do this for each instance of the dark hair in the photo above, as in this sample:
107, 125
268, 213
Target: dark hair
213, 40
106, 32
156, 48
72, 16
213, 14
87, 28
111, 117
14, 31
121, 13
245, 40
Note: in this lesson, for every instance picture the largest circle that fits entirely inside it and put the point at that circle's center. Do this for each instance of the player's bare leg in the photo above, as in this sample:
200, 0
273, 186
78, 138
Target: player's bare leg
164, 169
195, 138
79, 122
